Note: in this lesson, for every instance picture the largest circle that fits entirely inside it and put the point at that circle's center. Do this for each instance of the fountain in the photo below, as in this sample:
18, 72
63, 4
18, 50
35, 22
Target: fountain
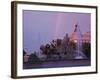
78, 54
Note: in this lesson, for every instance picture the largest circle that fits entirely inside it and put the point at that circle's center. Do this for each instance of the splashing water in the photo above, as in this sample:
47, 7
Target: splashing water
78, 53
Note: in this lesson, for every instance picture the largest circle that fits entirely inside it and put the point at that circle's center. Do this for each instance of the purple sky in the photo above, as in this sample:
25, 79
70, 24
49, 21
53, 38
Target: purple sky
41, 27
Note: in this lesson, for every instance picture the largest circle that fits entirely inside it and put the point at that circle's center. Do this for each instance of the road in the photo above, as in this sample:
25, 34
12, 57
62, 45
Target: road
62, 63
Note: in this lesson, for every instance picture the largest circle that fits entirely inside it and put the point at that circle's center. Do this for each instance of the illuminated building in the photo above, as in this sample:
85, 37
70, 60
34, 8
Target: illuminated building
78, 36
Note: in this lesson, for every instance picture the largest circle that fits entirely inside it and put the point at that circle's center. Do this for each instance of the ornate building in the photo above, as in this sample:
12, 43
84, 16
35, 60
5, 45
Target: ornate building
86, 37
78, 36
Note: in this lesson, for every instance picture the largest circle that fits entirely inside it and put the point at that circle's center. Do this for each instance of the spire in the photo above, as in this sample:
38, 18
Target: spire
75, 28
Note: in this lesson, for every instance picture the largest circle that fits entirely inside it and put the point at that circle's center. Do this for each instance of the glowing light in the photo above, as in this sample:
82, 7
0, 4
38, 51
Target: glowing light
75, 41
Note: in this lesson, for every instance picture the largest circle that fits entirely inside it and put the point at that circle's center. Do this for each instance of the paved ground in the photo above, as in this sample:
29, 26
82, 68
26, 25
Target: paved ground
63, 63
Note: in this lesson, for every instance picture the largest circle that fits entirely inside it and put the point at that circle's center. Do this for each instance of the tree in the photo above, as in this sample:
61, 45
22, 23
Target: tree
24, 52
86, 48
33, 59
